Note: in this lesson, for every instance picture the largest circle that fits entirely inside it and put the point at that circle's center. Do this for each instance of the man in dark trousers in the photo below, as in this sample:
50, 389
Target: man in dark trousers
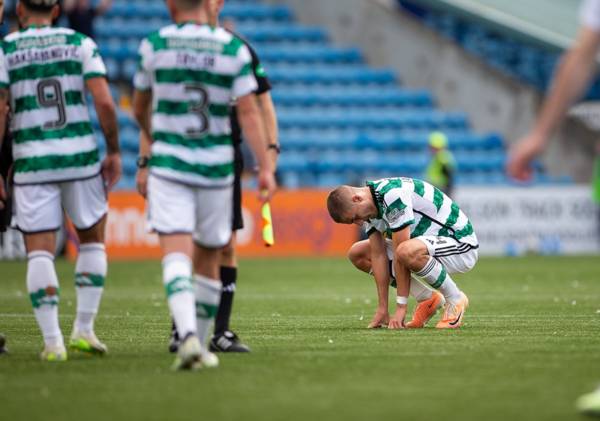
224, 339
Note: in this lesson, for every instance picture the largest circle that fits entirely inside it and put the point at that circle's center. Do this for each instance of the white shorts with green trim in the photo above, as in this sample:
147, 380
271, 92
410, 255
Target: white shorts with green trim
39, 207
176, 208
455, 256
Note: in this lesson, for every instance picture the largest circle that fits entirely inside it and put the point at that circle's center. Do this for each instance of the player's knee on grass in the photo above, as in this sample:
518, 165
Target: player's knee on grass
358, 254
412, 254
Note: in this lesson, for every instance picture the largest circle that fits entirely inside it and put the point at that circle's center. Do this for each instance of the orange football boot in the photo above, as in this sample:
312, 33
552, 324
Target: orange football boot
425, 310
454, 313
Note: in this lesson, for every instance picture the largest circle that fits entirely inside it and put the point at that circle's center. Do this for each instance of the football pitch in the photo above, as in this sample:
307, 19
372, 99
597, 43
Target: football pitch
530, 345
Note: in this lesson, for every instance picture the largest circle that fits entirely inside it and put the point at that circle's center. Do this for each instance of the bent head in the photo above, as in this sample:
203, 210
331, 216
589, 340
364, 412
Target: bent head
349, 205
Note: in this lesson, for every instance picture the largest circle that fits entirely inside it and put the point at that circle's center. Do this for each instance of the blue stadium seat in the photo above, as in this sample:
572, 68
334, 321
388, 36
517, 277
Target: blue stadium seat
330, 74
362, 96
312, 54
281, 33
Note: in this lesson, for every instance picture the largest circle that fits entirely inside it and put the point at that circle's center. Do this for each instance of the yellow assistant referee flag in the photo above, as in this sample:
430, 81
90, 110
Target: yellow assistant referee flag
267, 231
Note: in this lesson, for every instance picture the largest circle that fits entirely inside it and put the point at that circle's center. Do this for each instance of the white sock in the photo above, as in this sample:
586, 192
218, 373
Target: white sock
208, 296
177, 279
419, 291
42, 285
90, 273
435, 275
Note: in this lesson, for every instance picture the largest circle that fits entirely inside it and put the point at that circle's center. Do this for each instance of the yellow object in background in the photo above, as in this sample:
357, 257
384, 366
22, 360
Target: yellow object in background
267, 231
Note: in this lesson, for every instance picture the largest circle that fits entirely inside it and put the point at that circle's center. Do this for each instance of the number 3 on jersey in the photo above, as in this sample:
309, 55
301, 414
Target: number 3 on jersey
200, 109
50, 95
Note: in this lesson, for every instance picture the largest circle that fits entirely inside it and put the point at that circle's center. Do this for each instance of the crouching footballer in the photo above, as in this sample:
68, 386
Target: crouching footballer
413, 229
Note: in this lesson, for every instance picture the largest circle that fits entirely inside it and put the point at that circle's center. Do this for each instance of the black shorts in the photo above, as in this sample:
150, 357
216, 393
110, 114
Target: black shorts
238, 163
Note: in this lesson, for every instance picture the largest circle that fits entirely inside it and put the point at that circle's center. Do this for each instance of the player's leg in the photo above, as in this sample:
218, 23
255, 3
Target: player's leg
428, 301
224, 339
212, 233
171, 214
39, 215
419, 255
85, 203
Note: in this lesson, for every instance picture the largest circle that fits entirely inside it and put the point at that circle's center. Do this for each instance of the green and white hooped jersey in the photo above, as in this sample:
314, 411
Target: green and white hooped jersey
45, 70
194, 72
403, 202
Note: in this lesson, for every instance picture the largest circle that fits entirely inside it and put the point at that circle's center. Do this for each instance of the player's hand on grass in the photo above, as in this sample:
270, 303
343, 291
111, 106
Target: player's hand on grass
2, 193
522, 154
380, 319
266, 185
111, 170
397, 320
141, 181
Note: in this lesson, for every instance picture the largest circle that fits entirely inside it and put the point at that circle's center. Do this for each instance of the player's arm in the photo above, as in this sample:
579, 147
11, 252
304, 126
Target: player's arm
3, 118
381, 273
142, 110
254, 133
574, 74
402, 281
269, 117
107, 115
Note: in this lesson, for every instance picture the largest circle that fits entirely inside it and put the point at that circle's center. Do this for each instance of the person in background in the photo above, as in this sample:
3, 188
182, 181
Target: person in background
574, 74
440, 171
82, 13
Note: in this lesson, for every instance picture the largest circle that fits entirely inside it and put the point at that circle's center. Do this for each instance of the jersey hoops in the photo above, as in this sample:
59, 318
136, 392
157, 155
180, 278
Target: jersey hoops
45, 69
195, 71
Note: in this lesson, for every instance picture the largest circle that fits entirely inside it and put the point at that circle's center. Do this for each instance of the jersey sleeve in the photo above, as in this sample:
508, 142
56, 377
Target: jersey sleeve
244, 82
4, 79
398, 212
589, 14
264, 85
93, 65
374, 225
142, 80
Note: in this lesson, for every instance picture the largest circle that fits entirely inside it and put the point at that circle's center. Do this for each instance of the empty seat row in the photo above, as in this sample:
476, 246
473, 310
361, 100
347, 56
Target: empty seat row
413, 119
330, 74
391, 96
407, 142
137, 29
234, 10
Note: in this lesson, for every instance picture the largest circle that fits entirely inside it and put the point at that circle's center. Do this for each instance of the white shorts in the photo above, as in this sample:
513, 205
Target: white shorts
176, 208
455, 256
39, 207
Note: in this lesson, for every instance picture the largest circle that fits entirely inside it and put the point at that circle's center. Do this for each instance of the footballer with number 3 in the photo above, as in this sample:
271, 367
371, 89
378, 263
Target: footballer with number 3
189, 74
45, 72
430, 238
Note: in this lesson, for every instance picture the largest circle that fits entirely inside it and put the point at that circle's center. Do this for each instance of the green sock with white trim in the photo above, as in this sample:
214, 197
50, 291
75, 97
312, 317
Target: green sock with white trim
435, 275
42, 285
177, 279
208, 296
90, 273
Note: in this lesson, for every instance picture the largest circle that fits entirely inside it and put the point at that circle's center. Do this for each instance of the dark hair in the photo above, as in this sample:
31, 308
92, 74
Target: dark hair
188, 4
337, 203
39, 5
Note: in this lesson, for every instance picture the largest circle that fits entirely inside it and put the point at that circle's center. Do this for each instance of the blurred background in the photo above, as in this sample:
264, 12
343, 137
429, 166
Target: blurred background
360, 86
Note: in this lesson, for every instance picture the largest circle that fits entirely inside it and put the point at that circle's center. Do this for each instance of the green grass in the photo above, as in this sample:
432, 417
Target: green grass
528, 349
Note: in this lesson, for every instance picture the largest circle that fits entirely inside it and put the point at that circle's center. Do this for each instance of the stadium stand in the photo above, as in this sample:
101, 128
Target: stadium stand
521, 39
340, 119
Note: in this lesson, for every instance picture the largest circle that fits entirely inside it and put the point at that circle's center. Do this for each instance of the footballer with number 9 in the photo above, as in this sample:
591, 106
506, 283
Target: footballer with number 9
44, 74
430, 238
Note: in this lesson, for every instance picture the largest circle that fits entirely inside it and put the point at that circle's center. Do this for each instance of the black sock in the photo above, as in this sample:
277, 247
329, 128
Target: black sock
228, 277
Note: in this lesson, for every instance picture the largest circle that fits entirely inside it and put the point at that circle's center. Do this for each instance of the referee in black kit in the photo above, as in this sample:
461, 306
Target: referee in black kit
224, 339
